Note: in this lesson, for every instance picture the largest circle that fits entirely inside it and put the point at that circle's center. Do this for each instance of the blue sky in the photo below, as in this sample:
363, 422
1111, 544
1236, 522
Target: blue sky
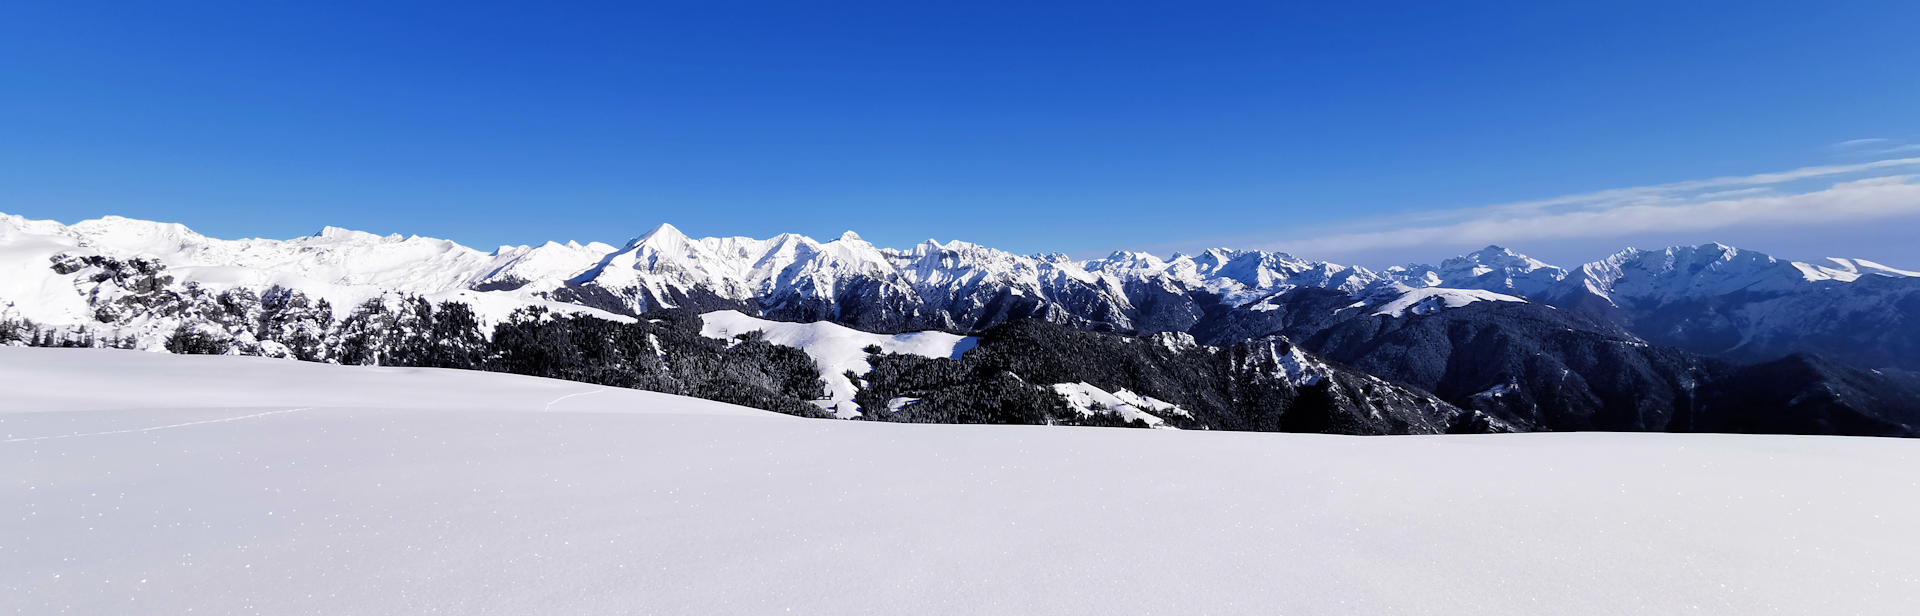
1080, 128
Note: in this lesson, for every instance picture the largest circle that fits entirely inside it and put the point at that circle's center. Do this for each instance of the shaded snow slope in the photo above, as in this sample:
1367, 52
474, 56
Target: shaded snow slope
836, 348
384, 496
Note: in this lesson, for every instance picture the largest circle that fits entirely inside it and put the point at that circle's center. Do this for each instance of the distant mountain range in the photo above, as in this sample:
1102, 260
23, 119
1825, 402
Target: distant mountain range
1641, 340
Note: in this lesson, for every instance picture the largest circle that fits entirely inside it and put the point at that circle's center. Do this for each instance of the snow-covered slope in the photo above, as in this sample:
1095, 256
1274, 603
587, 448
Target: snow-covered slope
837, 349
1432, 299
1128, 406
347, 490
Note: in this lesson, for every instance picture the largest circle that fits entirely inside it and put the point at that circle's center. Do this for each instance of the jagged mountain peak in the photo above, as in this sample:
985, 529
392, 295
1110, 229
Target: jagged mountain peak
1684, 271
1493, 268
1133, 259
665, 234
929, 246
1498, 257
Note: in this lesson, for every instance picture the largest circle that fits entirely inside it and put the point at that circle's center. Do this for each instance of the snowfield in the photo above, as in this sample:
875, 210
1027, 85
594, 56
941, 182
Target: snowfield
150, 483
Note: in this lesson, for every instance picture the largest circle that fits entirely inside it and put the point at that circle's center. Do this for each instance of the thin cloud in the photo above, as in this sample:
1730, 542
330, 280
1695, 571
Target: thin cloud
1657, 209
1672, 190
1737, 192
1854, 143
1809, 195
1876, 146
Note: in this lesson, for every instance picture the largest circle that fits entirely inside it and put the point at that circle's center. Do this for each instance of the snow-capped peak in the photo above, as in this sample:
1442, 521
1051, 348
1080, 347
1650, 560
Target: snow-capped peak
1492, 268
1686, 271
1496, 257
662, 236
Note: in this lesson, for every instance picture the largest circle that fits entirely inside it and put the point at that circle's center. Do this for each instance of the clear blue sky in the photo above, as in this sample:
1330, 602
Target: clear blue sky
1070, 127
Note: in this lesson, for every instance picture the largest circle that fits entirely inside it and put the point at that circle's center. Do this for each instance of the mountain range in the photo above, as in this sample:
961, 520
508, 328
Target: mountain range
1641, 340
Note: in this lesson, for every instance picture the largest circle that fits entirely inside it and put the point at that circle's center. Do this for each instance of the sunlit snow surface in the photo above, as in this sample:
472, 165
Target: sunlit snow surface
1428, 301
227, 485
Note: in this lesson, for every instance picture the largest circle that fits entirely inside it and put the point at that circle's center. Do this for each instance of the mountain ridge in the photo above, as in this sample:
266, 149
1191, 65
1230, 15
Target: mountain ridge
1488, 341
740, 265
1711, 298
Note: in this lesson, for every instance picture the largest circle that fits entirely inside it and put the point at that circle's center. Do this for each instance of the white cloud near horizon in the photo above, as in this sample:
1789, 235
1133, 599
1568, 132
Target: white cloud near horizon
1847, 193
1854, 143
1874, 146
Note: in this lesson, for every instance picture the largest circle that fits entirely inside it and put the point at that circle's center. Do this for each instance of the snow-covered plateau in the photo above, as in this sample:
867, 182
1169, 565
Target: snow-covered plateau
152, 483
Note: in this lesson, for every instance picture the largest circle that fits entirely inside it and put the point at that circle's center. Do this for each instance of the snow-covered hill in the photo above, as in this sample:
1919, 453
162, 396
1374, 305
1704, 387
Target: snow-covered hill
836, 349
150, 483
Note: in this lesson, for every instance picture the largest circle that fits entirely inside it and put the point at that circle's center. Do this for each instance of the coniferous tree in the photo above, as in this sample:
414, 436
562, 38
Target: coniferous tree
189, 340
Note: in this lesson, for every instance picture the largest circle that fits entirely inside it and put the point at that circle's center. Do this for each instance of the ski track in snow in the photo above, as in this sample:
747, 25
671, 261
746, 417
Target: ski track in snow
154, 428
550, 403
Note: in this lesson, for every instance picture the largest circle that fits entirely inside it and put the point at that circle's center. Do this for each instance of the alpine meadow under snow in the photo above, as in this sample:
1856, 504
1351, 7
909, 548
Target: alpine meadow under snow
155, 483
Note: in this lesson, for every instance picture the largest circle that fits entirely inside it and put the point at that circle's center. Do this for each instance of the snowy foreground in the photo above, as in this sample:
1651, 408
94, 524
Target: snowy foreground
147, 483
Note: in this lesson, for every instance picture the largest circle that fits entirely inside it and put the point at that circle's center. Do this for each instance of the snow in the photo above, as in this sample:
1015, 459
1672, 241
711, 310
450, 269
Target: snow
237, 485
1498, 390
1129, 406
1848, 270
836, 348
1175, 342
1294, 366
1433, 299
1492, 268
343, 267
1662, 276
65, 381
